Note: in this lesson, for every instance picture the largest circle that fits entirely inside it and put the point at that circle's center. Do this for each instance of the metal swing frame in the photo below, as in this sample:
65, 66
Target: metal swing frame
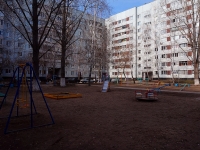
32, 105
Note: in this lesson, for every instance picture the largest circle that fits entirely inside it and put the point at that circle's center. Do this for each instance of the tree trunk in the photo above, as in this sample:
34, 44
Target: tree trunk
196, 73
63, 45
35, 44
132, 77
62, 80
124, 74
90, 73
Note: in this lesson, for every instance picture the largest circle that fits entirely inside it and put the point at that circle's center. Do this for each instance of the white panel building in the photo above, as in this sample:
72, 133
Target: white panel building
159, 49
15, 50
144, 42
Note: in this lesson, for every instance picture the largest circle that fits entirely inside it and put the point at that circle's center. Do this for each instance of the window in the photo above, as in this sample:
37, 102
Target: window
139, 30
163, 31
72, 72
1, 41
148, 45
20, 44
7, 70
1, 32
8, 43
139, 65
156, 49
147, 23
182, 36
174, 55
183, 72
138, 23
164, 72
163, 56
183, 54
8, 34
139, 51
147, 16
125, 26
19, 53
139, 58
163, 47
183, 45
1, 22
182, 63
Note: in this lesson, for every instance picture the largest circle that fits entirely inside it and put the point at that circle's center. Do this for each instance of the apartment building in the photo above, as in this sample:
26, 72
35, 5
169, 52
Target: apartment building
143, 42
122, 43
152, 37
14, 49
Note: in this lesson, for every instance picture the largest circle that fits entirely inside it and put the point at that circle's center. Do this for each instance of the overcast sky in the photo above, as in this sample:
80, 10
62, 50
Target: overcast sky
122, 5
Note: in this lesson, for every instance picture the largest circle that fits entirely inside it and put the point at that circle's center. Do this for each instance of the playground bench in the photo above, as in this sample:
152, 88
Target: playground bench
156, 89
188, 85
2, 95
2, 85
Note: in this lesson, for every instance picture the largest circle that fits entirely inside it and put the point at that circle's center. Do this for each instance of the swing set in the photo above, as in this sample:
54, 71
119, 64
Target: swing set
24, 96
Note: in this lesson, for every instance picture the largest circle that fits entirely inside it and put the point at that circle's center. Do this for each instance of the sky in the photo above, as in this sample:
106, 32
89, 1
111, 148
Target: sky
122, 5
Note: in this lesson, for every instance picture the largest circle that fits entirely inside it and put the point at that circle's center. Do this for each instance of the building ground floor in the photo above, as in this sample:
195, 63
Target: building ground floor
47, 73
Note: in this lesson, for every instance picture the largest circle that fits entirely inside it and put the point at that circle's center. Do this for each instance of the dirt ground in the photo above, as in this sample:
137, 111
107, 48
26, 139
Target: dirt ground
103, 121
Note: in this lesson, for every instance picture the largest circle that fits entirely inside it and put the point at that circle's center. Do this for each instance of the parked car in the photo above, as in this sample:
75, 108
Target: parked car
115, 80
94, 80
84, 80
72, 80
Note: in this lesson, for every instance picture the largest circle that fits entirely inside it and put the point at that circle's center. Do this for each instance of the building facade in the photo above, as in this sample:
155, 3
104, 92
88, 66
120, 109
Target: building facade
82, 53
150, 41
155, 38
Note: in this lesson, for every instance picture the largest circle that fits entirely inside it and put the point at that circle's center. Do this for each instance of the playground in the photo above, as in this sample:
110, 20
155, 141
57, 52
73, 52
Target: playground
106, 120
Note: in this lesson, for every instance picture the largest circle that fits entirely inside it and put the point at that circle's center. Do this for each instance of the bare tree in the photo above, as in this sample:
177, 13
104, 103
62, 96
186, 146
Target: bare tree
184, 16
73, 15
33, 20
66, 27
